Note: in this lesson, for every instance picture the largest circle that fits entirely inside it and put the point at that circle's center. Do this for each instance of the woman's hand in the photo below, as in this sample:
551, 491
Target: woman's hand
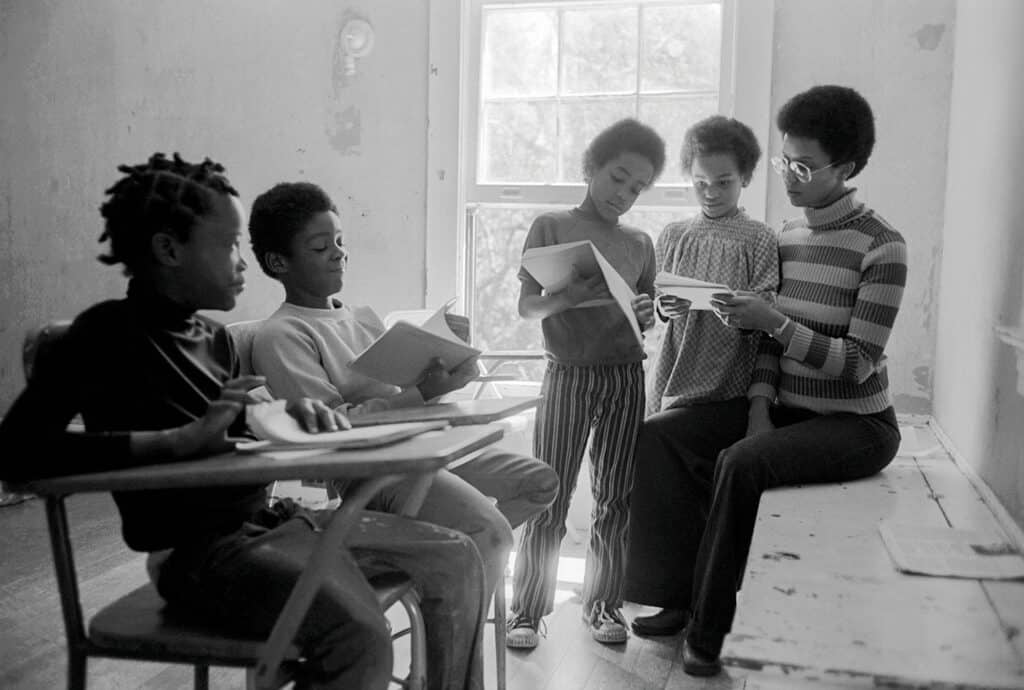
759, 420
673, 307
747, 310
643, 307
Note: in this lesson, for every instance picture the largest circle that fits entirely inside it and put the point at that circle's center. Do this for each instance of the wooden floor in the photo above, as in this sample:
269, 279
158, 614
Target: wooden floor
31, 632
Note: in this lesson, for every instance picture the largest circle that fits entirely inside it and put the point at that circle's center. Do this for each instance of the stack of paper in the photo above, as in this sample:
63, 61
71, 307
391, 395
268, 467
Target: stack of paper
403, 352
552, 266
278, 430
699, 292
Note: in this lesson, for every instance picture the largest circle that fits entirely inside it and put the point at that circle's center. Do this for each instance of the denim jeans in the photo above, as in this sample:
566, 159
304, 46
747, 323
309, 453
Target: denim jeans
804, 448
675, 460
241, 580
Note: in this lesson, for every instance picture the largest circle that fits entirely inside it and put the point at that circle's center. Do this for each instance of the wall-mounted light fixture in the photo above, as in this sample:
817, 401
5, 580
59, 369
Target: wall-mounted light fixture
356, 42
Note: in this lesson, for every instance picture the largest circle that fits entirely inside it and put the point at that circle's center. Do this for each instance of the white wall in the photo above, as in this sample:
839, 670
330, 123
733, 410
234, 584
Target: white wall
258, 86
978, 399
898, 54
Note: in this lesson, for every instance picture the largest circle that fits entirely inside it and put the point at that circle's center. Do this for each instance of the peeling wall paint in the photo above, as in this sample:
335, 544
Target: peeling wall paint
899, 55
976, 400
89, 86
929, 36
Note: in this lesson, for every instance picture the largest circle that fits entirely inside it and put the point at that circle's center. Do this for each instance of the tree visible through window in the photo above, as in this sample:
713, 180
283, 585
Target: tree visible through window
550, 77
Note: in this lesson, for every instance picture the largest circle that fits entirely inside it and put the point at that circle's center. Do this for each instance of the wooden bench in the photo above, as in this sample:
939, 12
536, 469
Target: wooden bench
822, 604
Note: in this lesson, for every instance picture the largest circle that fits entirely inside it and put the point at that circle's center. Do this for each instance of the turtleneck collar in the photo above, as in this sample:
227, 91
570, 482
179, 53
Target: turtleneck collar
156, 308
839, 212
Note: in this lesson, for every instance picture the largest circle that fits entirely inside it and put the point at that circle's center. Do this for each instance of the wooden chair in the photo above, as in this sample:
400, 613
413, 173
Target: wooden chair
140, 626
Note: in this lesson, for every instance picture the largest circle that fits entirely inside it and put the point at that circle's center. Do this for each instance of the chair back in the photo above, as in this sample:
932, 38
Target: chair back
243, 332
39, 345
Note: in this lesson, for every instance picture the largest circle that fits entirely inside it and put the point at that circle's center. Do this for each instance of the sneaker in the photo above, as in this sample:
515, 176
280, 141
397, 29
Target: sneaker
522, 632
606, 624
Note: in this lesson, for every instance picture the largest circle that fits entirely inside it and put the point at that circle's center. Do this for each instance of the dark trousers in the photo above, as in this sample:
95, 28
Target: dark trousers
243, 579
804, 448
675, 460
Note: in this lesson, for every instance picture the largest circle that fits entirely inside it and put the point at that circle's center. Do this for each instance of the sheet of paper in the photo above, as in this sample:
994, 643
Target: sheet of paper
551, 266
621, 292
948, 552
699, 292
278, 430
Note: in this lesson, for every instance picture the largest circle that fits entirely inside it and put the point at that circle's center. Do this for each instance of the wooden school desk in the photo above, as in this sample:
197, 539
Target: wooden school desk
419, 456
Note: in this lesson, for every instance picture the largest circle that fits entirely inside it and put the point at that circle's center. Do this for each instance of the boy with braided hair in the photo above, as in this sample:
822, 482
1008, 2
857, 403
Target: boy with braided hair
155, 382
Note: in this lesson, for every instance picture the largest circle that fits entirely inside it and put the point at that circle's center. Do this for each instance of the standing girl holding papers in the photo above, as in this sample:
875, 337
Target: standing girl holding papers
697, 392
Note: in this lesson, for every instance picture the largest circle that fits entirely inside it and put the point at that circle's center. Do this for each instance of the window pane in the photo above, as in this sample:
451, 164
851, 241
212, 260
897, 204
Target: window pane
518, 143
671, 116
681, 47
519, 53
599, 51
498, 235
580, 120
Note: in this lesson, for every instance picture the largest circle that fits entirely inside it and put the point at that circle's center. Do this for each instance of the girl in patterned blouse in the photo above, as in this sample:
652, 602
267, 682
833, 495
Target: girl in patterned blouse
697, 388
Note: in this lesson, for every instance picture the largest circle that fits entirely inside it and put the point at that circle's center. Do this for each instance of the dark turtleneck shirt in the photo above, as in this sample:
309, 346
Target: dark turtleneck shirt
137, 364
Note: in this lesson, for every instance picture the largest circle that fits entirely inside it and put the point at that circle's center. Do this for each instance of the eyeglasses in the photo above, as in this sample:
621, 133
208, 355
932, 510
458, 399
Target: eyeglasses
800, 170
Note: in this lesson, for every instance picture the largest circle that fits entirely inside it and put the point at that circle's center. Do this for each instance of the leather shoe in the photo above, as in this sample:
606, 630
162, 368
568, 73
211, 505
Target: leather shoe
664, 622
697, 664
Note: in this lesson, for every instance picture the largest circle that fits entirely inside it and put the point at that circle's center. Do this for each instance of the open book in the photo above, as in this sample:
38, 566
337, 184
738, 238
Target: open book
402, 353
698, 292
278, 430
552, 266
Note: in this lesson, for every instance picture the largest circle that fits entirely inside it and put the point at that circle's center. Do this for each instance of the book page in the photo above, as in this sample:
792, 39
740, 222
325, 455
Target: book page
698, 292
401, 354
276, 429
621, 292
438, 324
552, 266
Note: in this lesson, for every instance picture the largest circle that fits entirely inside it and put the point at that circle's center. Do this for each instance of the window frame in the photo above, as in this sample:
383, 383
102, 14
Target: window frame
452, 135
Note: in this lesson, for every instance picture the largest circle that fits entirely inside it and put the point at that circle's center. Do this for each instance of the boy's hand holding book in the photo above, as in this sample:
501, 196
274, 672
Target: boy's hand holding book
437, 380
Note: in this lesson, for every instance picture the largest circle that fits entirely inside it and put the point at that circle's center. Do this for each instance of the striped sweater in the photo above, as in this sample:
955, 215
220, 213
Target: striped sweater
843, 270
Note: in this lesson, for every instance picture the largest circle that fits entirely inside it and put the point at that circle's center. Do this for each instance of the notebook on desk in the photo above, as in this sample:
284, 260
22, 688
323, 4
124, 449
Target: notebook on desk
454, 413
277, 430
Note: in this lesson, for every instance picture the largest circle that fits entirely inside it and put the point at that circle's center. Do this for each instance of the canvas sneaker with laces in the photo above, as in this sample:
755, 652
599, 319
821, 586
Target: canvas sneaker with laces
523, 632
606, 624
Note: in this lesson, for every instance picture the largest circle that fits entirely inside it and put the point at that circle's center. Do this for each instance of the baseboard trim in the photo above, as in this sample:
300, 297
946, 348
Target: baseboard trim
1013, 530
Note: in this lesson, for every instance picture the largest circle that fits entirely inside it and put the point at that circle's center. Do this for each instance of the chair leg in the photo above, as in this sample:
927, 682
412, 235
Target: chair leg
250, 678
417, 642
201, 677
500, 631
77, 665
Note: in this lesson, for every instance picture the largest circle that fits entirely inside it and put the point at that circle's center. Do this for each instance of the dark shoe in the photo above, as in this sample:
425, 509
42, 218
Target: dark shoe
664, 622
697, 664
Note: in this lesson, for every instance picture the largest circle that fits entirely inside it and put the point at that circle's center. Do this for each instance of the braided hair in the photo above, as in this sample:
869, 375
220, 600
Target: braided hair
160, 195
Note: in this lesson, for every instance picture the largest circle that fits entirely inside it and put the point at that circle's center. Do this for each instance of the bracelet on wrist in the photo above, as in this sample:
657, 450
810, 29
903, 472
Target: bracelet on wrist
777, 332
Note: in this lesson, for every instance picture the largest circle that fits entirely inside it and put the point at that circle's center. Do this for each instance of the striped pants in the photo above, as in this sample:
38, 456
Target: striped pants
610, 401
